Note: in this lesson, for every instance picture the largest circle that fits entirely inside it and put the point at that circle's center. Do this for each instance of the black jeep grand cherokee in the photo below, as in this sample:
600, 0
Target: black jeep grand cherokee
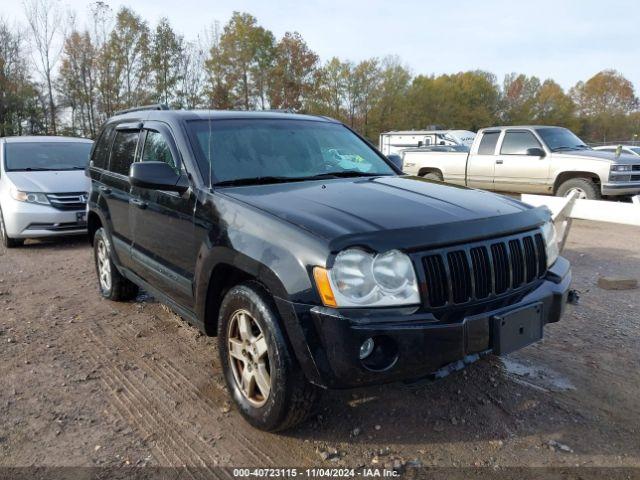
310, 256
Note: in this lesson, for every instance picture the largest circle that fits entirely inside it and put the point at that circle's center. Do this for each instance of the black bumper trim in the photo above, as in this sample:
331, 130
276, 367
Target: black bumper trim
326, 341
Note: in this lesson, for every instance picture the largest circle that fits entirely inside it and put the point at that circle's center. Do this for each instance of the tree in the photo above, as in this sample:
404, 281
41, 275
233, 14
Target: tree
465, 100
518, 98
552, 106
166, 61
328, 90
77, 82
390, 109
129, 43
45, 21
217, 89
20, 109
603, 104
192, 76
293, 72
242, 59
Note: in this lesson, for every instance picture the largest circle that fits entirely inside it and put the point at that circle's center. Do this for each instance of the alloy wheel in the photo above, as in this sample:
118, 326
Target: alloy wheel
104, 266
249, 358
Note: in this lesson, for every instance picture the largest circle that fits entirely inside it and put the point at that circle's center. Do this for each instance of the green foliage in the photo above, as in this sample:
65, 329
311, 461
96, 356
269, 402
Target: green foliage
604, 103
291, 79
166, 59
122, 62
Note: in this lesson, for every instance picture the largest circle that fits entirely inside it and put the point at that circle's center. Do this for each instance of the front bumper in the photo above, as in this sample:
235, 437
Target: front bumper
28, 220
621, 188
424, 344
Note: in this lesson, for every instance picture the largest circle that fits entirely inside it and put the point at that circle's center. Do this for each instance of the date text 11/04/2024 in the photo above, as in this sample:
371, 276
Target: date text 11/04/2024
315, 473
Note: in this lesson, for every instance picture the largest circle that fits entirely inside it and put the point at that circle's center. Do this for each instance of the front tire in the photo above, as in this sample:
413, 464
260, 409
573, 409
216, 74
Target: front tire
262, 375
7, 241
586, 188
111, 283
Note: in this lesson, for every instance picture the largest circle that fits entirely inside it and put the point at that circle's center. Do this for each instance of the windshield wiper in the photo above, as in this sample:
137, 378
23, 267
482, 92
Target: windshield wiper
343, 174
257, 181
274, 179
32, 169
558, 149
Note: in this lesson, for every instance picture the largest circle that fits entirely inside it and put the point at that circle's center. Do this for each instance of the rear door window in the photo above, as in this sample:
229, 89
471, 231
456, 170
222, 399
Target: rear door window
517, 143
123, 151
488, 143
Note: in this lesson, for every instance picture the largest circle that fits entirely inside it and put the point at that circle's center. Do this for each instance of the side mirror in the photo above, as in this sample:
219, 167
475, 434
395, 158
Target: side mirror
536, 152
396, 160
156, 176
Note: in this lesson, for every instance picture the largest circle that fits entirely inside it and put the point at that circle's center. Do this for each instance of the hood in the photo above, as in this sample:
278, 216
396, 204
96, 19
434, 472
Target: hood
609, 157
60, 181
348, 207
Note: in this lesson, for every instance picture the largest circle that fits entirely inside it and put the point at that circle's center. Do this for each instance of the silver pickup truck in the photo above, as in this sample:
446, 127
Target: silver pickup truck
530, 159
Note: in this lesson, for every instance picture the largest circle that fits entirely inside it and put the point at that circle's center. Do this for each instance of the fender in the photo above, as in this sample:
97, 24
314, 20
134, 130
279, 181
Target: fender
225, 257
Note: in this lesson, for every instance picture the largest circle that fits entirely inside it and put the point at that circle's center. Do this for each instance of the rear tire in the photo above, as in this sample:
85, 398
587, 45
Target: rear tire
263, 377
433, 176
111, 283
6, 240
586, 188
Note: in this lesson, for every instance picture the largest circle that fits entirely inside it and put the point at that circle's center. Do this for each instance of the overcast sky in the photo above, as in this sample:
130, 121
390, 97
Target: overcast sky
567, 40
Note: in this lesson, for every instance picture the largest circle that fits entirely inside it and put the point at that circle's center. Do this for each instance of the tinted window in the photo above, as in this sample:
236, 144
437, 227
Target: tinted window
488, 143
517, 143
156, 149
100, 154
28, 156
123, 151
293, 149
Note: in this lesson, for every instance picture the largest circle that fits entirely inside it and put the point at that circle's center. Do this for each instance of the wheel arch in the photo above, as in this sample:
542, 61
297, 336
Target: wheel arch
222, 270
569, 175
94, 222
425, 170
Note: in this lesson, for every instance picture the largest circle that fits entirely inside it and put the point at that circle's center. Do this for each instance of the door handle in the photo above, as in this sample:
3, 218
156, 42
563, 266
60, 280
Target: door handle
499, 162
105, 190
138, 203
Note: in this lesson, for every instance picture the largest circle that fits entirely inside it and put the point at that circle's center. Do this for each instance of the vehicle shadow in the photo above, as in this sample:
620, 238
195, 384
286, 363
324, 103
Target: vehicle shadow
55, 242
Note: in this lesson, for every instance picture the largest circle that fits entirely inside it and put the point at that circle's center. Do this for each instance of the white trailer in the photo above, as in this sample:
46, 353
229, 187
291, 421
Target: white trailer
395, 142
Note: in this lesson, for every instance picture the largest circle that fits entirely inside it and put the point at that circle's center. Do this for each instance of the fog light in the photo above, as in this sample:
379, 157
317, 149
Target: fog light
366, 348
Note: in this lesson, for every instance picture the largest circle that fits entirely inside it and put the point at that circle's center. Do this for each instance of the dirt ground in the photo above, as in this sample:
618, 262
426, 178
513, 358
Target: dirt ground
88, 382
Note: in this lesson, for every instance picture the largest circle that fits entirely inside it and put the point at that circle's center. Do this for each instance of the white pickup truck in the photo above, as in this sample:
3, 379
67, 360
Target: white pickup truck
530, 159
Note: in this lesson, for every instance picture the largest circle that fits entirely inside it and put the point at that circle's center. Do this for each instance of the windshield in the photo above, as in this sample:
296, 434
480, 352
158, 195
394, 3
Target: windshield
27, 156
560, 139
271, 150
635, 150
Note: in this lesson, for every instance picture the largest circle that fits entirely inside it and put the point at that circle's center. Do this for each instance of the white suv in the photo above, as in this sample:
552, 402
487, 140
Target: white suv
43, 188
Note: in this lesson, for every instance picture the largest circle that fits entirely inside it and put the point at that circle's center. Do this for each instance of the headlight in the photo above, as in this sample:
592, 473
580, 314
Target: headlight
29, 197
551, 242
620, 168
362, 279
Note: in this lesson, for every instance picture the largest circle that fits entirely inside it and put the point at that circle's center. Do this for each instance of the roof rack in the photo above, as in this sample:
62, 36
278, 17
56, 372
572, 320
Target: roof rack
156, 106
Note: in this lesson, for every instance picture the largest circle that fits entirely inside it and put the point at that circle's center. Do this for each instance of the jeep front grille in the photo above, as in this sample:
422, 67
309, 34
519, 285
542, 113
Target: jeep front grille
482, 270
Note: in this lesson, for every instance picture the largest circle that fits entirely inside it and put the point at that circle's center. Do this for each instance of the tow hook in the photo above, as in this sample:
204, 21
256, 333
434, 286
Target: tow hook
573, 297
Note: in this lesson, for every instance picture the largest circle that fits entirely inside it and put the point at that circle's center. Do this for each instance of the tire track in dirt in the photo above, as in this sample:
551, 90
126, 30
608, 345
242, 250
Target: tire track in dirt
131, 406
235, 440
